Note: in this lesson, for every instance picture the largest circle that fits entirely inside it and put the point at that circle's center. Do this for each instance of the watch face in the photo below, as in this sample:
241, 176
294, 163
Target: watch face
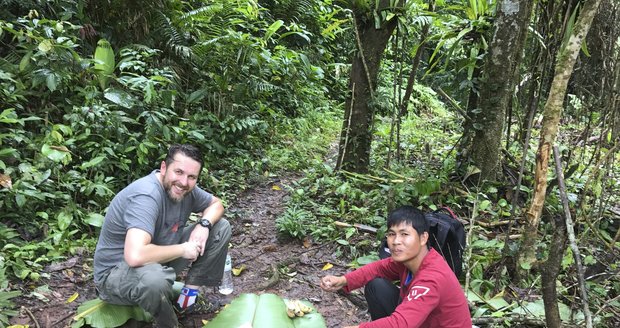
205, 223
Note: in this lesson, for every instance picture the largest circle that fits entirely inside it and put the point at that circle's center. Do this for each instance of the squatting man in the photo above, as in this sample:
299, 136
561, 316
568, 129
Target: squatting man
429, 295
145, 243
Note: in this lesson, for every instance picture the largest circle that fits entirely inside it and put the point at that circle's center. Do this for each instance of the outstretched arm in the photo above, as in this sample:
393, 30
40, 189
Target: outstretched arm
333, 283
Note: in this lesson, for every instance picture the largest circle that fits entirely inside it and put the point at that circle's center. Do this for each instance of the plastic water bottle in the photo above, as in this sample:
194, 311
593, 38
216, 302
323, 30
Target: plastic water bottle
227, 284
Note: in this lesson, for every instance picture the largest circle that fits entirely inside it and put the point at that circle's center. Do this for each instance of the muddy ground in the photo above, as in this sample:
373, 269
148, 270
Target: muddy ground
273, 264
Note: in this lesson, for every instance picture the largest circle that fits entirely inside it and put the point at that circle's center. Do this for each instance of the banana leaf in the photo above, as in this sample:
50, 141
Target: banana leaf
99, 314
310, 320
264, 311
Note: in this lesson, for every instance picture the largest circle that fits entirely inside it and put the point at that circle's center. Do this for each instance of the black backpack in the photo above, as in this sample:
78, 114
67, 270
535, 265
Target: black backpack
446, 236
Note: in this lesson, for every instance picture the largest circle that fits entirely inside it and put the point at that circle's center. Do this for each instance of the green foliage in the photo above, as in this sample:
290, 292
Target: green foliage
75, 130
104, 61
99, 314
6, 304
297, 223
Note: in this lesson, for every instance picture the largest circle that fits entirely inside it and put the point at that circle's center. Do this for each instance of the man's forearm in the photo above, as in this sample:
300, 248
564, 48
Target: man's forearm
154, 254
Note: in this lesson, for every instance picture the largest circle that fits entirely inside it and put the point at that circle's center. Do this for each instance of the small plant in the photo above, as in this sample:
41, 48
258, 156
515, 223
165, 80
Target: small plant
296, 222
6, 305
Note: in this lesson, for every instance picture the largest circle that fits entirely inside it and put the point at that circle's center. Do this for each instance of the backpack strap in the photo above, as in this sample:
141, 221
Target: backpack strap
442, 231
446, 209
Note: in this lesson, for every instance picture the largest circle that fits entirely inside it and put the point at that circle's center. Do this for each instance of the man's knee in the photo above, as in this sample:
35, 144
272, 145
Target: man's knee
377, 285
156, 280
223, 231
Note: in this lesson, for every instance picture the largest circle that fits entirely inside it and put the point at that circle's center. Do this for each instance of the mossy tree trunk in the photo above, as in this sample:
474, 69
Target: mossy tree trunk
356, 134
551, 119
482, 137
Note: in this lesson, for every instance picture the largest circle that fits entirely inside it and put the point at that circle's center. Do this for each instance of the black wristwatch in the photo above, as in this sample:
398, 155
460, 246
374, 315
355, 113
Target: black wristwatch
205, 223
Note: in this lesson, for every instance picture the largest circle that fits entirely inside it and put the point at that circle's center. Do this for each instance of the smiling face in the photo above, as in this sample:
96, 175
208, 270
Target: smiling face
406, 245
179, 177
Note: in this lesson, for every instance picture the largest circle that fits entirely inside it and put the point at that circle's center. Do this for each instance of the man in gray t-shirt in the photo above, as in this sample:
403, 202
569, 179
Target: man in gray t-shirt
144, 241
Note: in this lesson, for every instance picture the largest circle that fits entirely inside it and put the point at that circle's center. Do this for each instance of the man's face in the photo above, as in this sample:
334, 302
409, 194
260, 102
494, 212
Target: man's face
180, 177
405, 243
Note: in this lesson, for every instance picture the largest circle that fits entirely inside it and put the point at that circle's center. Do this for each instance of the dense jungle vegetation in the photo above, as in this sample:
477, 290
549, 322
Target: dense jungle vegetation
373, 103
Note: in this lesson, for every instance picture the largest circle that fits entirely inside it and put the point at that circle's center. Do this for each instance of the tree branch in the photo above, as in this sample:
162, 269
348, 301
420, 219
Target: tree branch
571, 236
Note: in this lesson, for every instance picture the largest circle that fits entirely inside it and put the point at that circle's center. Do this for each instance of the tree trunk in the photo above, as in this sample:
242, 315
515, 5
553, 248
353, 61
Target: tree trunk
551, 119
497, 84
416, 63
356, 134
550, 272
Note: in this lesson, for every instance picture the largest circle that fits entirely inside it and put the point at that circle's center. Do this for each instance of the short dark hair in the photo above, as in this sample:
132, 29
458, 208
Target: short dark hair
410, 215
188, 150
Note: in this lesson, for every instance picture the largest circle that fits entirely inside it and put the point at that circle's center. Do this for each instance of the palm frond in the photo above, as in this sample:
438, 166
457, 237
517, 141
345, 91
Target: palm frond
170, 36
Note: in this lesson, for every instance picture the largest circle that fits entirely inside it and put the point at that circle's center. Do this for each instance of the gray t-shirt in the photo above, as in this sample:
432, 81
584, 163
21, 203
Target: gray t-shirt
145, 205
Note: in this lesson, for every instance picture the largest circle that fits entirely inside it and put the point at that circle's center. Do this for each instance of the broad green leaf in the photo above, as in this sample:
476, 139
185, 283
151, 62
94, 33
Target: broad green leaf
8, 152
119, 97
196, 96
8, 116
51, 81
92, 162
536, 309
240, 311
473, 296
20, 200
484, 205
264, 311
273, 28
498, 303
99, 314
367, 259
64, 220
45, 45
95, 219
54, 154
23, 64
526, 265
299, 34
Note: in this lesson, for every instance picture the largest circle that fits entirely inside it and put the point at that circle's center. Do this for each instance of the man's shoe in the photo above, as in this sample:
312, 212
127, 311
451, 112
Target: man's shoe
203, 305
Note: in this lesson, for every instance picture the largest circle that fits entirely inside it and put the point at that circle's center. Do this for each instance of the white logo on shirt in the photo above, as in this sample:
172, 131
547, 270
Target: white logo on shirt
417, 292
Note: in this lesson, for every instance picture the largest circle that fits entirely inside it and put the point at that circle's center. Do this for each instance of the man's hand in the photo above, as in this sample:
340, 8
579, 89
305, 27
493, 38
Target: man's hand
191, 249
333, 283
200, 235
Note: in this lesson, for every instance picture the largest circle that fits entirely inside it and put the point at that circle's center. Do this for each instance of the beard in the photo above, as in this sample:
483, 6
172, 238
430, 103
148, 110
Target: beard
174, 197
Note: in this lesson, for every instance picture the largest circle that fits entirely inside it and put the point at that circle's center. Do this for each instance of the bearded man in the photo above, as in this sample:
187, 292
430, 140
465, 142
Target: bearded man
145, 243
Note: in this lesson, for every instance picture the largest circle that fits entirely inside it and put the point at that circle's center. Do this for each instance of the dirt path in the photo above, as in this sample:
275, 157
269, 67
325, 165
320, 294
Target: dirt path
272, 265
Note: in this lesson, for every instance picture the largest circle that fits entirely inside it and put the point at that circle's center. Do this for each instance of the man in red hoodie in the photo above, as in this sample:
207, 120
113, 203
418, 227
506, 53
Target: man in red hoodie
429, 295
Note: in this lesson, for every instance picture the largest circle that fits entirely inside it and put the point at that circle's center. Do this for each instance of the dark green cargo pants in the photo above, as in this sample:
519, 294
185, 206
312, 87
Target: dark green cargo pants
150, 286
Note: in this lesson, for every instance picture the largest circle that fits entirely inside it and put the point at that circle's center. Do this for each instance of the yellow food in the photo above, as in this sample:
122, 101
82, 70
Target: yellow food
296, 308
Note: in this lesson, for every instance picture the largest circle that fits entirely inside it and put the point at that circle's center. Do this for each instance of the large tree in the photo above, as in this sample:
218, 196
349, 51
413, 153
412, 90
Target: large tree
483, 134
372, 37
551, 121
